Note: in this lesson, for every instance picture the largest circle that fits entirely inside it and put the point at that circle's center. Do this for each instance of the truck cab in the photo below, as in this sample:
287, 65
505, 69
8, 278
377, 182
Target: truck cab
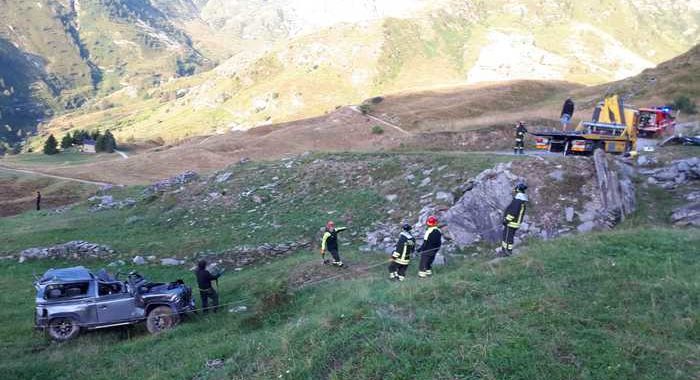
655, 121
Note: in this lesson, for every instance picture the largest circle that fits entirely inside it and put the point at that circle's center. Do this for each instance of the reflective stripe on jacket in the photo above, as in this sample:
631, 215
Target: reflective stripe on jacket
404, 248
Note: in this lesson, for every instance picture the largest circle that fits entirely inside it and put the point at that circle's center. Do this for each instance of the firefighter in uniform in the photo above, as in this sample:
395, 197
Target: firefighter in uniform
402, 254
513, 217
520, 132
431, 244
329, 243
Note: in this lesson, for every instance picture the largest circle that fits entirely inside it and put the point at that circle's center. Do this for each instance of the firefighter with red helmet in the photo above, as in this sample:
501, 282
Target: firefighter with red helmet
513, 217
402, 254
432, 241
329, 243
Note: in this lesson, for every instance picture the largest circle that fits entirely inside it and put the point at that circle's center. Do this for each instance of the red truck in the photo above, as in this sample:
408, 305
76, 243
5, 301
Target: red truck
655, 121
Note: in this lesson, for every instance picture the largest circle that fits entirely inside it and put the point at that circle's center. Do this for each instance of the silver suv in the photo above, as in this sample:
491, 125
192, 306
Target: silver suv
69, 300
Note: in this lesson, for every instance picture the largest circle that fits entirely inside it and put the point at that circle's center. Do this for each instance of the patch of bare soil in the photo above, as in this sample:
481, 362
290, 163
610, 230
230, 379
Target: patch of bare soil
315, 272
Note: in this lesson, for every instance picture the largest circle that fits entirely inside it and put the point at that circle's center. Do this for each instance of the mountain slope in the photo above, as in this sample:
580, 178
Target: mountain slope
70, 51
286, 63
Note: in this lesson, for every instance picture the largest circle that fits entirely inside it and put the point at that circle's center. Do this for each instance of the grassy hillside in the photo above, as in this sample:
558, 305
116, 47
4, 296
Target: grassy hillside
18, 192
617, 305
621, 304
300, 194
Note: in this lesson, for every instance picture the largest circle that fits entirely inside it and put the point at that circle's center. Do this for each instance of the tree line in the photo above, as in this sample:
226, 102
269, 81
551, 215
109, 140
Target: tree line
104, 142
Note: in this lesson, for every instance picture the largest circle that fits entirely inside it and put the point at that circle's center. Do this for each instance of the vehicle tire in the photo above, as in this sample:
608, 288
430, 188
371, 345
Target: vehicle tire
63, 328
161, 318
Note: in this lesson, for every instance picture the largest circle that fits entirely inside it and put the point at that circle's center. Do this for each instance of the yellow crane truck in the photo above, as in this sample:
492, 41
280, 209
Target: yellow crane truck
613, 128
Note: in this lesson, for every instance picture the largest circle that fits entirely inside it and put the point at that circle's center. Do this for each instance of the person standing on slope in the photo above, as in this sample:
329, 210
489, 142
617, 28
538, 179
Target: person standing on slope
513, 217
206, 290
567, 112
329, 243
402, 254
38, 200
432, 241
520, 132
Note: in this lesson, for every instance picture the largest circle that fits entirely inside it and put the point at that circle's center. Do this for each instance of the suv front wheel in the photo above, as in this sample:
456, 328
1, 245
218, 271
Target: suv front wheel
63, 329
161, 318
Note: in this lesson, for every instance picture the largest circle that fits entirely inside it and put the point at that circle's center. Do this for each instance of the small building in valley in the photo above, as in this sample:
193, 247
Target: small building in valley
88, 146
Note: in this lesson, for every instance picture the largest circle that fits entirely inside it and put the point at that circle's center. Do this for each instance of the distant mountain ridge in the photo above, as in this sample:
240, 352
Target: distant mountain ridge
278, 60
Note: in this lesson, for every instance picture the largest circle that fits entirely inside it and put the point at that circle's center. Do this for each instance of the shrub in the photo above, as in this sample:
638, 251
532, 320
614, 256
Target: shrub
51, 145
377, 130
364, 108
684, 104
66, 141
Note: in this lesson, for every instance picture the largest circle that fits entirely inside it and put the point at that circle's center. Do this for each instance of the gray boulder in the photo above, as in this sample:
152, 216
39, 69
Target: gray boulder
477, 215
139, 260
171, 262
445, 197
688, 215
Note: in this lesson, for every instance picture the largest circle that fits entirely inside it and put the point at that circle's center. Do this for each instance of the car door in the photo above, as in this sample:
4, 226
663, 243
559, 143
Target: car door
115, 307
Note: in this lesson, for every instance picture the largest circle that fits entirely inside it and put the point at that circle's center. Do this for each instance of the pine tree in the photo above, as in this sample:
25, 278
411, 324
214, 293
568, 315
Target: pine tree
110, 142
95, 134
50, 146
101, 144
66, 141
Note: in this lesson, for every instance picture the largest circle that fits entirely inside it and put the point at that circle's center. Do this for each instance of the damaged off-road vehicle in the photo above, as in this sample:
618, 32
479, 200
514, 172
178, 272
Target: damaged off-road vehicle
69, 300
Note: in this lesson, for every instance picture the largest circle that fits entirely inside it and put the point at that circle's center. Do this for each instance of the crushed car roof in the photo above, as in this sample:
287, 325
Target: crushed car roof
67, 274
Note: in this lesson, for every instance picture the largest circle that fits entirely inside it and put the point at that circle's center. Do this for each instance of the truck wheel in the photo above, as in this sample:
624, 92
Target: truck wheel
160, 319
63, 329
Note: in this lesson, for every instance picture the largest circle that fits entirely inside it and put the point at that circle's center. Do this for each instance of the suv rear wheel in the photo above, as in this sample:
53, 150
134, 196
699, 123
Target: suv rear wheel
63, 329
161, 318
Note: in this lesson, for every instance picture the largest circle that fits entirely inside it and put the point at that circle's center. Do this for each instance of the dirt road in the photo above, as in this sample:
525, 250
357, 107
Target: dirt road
23, 171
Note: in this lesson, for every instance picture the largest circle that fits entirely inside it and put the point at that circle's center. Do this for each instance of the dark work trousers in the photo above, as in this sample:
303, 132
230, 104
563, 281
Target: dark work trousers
519, 146
334, 253
508, 238
209, 294
426, 260
395, 267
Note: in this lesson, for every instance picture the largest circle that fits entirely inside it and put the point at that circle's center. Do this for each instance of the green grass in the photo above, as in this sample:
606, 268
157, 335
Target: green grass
620, 305
65, 158
349, 188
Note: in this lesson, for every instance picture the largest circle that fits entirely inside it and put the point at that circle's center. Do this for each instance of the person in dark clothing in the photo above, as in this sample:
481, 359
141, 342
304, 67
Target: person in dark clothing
513, 217
567, 112
329, 243
38, 200
431, 244
520, 132
402, 254
206, 290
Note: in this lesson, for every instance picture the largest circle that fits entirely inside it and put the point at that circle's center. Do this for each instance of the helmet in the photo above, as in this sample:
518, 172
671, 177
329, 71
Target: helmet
432, 221
520, 187
406, 227
330, 225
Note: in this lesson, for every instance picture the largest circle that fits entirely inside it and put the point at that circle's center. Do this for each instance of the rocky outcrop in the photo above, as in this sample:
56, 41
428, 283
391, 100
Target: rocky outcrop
477, 215
688, 215
675, 174
243, 256
615, 186
107, 202
171, 183
567, 195
74, 250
